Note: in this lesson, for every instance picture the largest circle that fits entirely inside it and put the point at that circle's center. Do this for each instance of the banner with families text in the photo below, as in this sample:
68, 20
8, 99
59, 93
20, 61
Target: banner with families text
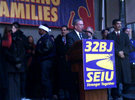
99, 64
55, 13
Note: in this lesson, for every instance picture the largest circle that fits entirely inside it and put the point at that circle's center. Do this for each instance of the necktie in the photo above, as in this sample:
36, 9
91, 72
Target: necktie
80, 34
64, 40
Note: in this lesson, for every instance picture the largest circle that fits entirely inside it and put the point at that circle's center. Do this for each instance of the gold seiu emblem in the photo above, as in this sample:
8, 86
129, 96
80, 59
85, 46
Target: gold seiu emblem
104, 62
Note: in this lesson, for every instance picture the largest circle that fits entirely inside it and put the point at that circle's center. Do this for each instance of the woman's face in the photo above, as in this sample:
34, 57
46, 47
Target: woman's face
106, 32
30, 39
14, 29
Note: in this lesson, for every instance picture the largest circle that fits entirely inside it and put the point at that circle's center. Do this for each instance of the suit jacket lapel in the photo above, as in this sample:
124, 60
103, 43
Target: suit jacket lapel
114, 36
84, 36
118, 40
75, 36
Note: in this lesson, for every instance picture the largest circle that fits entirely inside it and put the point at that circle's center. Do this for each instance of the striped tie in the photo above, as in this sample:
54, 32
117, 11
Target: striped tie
80, 34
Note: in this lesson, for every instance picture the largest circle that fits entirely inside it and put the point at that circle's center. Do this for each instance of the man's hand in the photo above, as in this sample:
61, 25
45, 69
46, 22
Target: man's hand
121, 54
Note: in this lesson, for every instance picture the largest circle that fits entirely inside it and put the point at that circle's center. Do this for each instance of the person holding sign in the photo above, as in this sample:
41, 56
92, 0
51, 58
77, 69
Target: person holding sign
122, 47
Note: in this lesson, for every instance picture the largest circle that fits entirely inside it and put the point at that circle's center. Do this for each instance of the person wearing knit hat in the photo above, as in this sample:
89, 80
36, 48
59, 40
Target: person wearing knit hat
45, 52
43, 29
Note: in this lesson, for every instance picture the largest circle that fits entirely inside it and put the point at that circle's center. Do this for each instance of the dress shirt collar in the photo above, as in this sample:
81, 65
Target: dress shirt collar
77, 34
117, 32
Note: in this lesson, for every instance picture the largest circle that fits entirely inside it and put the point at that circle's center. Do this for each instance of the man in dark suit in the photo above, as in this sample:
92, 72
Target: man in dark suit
76, 34
62, 68
123, 71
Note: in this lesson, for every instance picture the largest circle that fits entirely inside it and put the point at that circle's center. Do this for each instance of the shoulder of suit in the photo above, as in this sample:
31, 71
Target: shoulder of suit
59, 36
123, 33
126, 35
70, 33
85, 35
112, 33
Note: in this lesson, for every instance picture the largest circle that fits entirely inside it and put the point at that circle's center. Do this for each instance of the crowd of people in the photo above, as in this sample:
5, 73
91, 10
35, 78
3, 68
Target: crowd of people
41, 71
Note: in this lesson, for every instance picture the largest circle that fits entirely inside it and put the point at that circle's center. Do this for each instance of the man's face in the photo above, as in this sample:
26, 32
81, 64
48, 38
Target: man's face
117, 26
79, 26
64, 31
40, 31
89, 32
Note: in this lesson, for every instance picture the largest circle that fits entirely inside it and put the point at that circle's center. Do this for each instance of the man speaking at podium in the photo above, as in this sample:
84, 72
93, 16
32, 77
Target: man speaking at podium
76, 34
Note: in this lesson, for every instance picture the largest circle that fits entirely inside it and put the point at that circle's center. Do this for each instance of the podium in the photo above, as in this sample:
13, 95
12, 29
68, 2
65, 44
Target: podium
74, 55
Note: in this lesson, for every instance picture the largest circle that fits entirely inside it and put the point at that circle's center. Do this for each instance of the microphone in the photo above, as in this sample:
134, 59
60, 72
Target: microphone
84, 30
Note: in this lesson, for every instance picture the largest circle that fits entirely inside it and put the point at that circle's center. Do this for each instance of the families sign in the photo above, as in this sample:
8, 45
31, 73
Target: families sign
55, 13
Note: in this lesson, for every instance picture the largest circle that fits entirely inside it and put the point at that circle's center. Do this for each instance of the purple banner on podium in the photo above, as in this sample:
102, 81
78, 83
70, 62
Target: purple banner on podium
99, 64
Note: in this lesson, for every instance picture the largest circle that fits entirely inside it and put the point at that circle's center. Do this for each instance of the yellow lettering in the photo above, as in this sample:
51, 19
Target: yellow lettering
37, 1
97, 76
110, 49
27, 11
46, 2
46, 13
102, 47
18, 11
34, 17
102, 76
27, 0
54, 17
40, 13
88, 46
89, 76
33, 1
107, 76
96, 46
4, 9
56, 2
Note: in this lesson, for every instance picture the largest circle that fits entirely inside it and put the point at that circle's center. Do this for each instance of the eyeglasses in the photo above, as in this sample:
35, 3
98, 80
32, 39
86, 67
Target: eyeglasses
81, 24
63, 30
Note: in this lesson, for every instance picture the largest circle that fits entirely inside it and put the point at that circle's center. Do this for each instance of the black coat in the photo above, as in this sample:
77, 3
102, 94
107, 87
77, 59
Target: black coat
62, 70
123, 71
3, 81
3, 74
45, 50
16, 54
72, 37
60, 46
